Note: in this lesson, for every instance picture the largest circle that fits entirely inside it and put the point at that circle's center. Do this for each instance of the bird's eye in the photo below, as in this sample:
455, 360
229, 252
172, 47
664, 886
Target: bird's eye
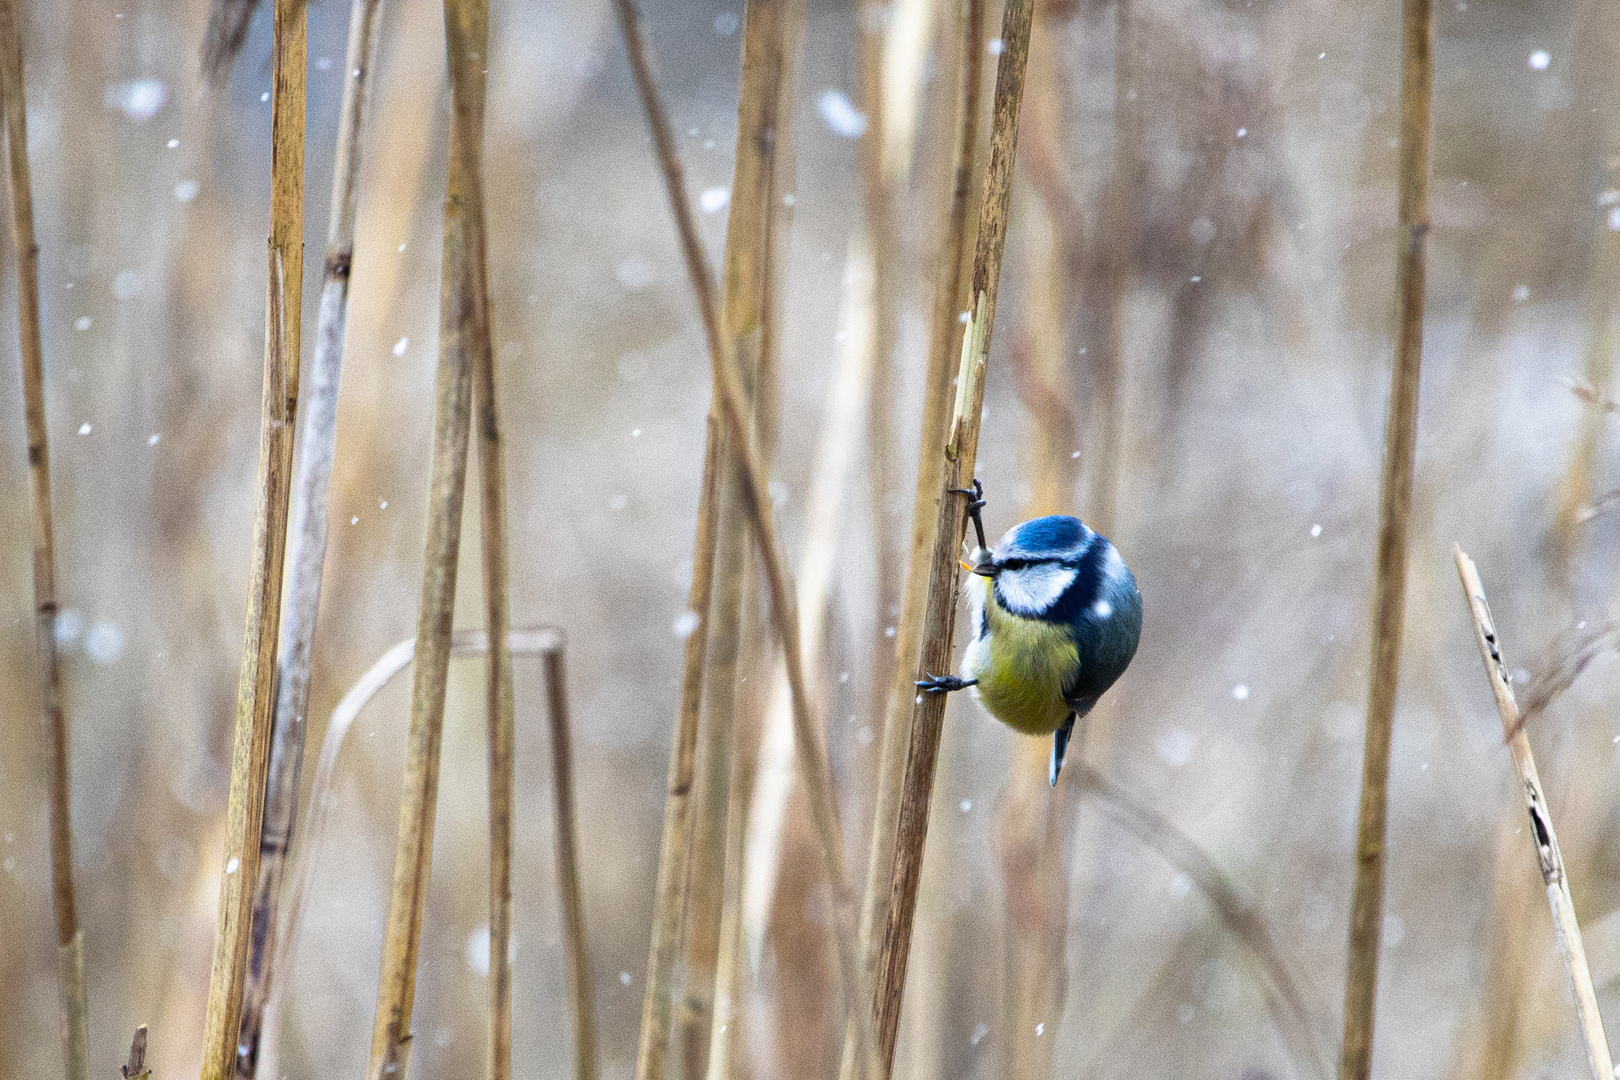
1014, 564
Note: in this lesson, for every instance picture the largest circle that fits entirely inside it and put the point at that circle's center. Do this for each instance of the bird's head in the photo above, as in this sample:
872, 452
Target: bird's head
1035, 563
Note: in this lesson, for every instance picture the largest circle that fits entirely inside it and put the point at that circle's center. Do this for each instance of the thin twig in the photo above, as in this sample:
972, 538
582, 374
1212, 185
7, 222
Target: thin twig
757, 504
925, 502
462, 303
1548, 857
1394, 525
573, 900
306, 544
69, 940
250, 757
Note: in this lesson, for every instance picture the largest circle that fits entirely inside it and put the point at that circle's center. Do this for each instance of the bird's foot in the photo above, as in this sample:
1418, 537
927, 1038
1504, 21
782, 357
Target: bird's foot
944, 684
975, 507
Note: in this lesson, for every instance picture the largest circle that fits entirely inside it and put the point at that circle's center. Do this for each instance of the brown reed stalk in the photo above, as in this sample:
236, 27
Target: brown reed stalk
1548, 856
463, 325
69, 939
306, 545
926, 501
255, 698
468, 46
1394, 525
567, 847
757, 505
749, 321
960, 452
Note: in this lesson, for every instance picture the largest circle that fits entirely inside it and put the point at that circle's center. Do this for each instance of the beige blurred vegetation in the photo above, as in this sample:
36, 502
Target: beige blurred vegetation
1193, 346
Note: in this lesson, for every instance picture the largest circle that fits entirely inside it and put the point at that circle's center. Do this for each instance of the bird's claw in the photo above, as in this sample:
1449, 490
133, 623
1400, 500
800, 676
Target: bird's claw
944, 684
975, 506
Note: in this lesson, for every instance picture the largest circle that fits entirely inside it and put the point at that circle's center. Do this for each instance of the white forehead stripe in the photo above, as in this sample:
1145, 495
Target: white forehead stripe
1034, 589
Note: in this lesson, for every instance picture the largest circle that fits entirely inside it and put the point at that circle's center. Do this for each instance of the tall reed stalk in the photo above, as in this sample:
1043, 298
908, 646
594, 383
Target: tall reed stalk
808, 746
255, 698
925, 508
1394, 525
1548, 857
306, 543
960, 452
567, 848
463, 324
751, 273
73, 1015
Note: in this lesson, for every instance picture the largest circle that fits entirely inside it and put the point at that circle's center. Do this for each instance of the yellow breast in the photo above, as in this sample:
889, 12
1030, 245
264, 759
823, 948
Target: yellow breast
1022, 667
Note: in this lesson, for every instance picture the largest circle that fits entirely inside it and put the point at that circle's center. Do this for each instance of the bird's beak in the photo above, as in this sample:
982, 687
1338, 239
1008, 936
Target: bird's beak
983, 563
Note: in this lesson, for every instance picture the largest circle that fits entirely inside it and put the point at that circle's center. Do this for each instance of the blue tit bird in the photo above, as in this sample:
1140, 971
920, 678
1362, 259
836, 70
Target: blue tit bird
1056, 618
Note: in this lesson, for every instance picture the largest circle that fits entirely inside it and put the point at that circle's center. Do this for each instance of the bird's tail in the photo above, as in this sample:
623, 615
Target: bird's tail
1060, 746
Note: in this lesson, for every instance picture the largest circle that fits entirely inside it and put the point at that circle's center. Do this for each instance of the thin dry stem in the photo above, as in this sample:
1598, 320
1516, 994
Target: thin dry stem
573, 898
1548, 857
463, 315
750, 322
69, 942
1394, 525
250, 757
227, 28
925, 502
960, 452
757, 504
136, 1069
306, 544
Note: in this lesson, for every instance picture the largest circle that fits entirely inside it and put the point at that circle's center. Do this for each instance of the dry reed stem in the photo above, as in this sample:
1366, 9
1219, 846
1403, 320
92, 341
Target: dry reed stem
1237, 912
69, 941
567, 847
960, 452
757, 504
675, 845
1394, 525
926, 501
750, 323
463, 306
227, 28
468, 45
306, 544
1548, 856
255, 698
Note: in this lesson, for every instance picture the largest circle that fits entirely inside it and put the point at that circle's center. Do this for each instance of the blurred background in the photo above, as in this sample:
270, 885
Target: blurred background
1192, 351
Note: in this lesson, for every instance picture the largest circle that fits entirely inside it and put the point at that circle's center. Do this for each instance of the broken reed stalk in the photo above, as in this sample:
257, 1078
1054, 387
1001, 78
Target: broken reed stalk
306, 543
69, 939
925, 503
529, 641
1548, 856
136, 1069
255, 698
960, 452
1394, 525
567, 847
757, 504
468, 44
463, 303
749, 321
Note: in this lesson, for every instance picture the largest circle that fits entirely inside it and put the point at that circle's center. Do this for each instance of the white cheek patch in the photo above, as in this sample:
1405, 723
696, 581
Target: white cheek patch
1034, 589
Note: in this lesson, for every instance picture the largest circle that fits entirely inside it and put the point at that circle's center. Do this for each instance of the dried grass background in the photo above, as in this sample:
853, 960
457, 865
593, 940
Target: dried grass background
1253, 401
